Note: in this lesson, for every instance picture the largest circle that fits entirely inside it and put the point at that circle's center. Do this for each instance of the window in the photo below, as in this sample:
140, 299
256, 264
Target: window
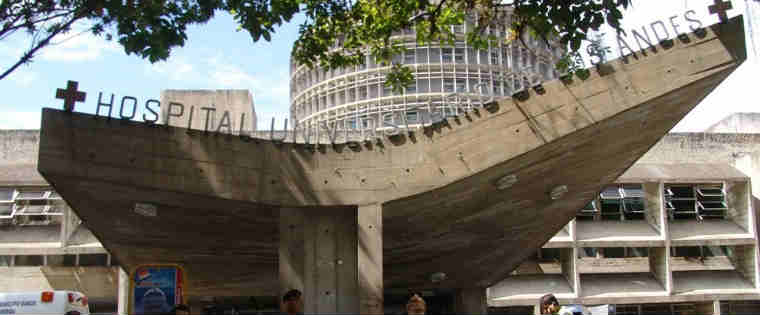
494, 57
362, 93
367, 122
587, 252
700, 251
409, 56
680, 202
435, 55
5, 261
6, 194
388, 119
422, 55
461, 85
447, 55
472, 56
687, 251
29, 260
448, 85
351, 124
435, 85
711, 202
387, 90
483, 57
6, 209
412, 117
32, 194
459, 55
423, 85
411, 88
69, 260
622, 202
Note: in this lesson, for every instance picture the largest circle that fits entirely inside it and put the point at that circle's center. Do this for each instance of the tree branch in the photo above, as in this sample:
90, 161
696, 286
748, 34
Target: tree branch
29, 54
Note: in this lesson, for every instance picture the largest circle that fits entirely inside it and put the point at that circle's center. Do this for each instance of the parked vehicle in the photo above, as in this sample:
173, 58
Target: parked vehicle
43, 303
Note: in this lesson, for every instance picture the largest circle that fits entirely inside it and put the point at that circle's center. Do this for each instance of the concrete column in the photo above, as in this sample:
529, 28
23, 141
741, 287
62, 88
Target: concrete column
569, 264
123, 293
745, 262
371, 259
659, 266
653, 206
68, 226
334, 256
572, 230
716, 307
471, 301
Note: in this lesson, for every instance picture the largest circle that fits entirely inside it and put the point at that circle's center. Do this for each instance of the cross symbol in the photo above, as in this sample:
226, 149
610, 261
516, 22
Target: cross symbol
720, 7
70, 95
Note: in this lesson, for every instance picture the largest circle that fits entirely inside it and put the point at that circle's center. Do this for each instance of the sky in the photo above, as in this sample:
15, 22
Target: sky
216, 56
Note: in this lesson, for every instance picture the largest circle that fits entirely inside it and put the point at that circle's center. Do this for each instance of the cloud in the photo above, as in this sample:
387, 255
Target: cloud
20, 120
175, 68
79, 47
270, 90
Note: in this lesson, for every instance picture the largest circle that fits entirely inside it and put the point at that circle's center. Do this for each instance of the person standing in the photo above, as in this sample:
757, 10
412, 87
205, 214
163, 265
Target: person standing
416, 304
548, 304
292, 304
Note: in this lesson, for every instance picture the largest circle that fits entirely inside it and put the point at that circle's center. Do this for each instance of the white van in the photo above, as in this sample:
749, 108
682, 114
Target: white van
44, 302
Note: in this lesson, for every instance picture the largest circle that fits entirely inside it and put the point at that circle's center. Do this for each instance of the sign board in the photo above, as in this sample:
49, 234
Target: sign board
156, 289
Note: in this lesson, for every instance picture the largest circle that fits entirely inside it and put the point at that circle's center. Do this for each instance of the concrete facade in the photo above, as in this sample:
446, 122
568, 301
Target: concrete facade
737, 123
440, 192
227, 111
43, 245
664, 277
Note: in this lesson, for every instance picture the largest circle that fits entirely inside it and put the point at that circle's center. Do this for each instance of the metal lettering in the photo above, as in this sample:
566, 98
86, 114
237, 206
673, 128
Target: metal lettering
134, 107
208, 111
646, 39
225, 121
331, 132
169, 113
693, 21
656, 34
190, 118
621, 43
100, 103
155, 114
674, 25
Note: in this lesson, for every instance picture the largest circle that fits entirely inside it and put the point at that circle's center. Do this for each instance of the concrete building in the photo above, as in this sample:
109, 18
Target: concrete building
43, 244
675, 234
737, 123
453, 207
449, 80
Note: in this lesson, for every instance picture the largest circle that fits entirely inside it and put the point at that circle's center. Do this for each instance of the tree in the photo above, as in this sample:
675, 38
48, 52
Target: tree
336, 33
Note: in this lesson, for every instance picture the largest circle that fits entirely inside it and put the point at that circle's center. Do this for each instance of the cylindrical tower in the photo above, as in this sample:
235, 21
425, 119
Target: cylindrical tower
448, 80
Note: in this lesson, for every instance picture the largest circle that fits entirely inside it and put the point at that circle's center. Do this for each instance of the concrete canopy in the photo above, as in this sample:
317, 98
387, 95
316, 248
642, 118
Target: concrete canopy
218, 196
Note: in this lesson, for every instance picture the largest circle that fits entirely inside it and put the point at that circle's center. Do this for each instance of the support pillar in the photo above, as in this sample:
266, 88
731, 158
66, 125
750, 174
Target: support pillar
334, 256
123, 293
471, 301
716, 308
68, 226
